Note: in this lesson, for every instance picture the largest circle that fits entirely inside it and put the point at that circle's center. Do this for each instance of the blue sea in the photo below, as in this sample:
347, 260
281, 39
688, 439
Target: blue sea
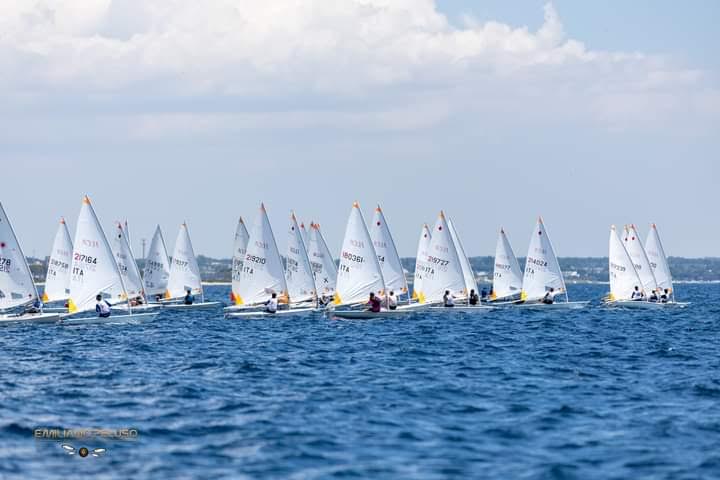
508, 394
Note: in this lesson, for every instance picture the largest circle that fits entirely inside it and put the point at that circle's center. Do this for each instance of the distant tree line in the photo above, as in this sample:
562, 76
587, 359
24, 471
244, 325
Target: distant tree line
581, 269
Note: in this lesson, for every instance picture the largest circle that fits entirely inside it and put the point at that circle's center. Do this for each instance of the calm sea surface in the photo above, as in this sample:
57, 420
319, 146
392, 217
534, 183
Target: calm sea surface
509, 394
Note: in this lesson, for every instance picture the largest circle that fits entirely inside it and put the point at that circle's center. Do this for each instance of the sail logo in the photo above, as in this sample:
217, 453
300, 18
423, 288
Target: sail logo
91, 243
357, 243
260, 244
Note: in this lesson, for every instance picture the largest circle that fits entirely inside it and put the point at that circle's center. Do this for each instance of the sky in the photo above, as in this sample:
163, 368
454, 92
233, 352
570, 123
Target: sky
587, 113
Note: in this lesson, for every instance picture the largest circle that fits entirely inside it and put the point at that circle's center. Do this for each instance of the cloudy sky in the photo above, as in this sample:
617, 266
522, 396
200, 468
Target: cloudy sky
170, 110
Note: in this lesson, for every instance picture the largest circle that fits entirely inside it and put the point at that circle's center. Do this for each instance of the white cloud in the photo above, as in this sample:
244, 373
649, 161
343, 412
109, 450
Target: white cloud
394, 55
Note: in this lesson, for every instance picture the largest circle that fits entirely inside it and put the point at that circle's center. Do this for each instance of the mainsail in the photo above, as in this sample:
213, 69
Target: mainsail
321, 261
298, 271
126, 264
242, 237
94, 270
57, 280
16, 283
262, 272
658, 260
623, 276
184, 268
157, 266
542, 270
422, 267
390, 264
507, 276
635, 249
468, 274
359, 272
445, 270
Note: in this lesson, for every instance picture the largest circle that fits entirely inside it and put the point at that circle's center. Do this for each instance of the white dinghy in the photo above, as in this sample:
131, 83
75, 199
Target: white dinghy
262, 274
322, 263
507, 276
660, 266
184, 276
132, 279
543, 274
94, 271
17, 289
57, 279
157, 268
390, 264
298, 271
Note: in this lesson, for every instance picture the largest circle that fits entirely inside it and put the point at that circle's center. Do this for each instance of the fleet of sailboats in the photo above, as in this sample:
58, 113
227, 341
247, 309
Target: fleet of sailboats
93, 269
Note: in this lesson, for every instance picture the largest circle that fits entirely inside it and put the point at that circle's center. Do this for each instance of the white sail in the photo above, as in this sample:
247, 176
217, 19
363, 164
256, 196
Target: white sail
298, 271
126, 264
57, 280
542, 270
184, 269
507, 276
422, 267
658, 260
321, 261
262, 272
359, 271
468, 274
157, 266
635, 249
242, 237
16, 283
390, 264
94, 269
304, 233
623, 276
445, 270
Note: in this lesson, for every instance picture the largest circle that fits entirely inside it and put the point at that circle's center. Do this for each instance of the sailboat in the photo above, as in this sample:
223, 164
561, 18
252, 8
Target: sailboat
635, 249
17, 289
132, 279
262, 275
507, 276
185, 275
57, 279
467, 271
422, 266
242, 237
660, 266
95, 271
322, 263
298, 271
543, 274
157, 267
390, 264
359, 272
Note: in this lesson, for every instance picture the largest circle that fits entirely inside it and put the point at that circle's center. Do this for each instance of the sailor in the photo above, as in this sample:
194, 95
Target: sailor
653, 296
374, 303
473, 299
189, 298
392, 301
665, 296
102, 307
448, 299
637, 294
483, 294
271, 305
549, 297
35, 307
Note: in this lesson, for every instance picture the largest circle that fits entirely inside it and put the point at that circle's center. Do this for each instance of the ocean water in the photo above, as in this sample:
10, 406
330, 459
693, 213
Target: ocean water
507, 394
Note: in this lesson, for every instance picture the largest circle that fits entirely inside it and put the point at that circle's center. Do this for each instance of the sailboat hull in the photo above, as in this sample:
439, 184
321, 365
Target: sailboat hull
553, 306
634, 304
194, 306
45, 317
465, 308
263, 314
131, 317
367, 315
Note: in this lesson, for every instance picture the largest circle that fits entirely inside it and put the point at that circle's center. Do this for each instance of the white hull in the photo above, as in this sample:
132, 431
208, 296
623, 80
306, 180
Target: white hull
45, 317
644, 305
367, 315
263, 314
194, 306
553, 306
465, 308
123, 307
55, 309
134, 317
